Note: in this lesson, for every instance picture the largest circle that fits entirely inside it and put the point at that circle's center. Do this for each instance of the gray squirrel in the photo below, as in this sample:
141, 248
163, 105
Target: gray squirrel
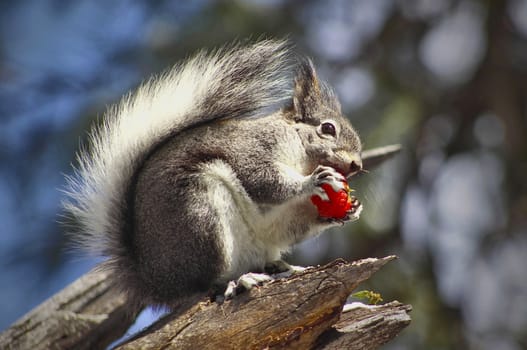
205, 173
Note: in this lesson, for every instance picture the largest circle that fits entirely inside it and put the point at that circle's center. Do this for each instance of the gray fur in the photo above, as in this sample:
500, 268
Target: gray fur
216, 192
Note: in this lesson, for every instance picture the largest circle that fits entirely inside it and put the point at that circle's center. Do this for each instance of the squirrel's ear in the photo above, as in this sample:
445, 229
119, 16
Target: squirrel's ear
306, 91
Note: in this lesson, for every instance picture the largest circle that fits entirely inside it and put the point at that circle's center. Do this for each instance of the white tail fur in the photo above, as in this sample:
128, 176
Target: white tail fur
230, 83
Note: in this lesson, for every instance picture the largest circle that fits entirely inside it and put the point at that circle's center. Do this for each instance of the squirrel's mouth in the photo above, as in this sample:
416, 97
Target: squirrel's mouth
346, 163
347, 170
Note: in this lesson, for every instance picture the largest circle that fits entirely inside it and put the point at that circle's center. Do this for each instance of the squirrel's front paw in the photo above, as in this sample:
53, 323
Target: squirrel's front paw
356, 209
332, 196
325, 175
352, 214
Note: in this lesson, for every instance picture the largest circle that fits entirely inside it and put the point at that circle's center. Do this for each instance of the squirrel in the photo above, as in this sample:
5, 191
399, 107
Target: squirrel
205, 173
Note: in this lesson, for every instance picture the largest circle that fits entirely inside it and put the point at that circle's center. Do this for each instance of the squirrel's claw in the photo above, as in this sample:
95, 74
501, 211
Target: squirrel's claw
324, 175
352, 215
328, 175
245, 282
355, 210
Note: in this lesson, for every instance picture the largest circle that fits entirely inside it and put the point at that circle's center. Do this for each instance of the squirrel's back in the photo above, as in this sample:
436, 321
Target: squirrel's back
233, 82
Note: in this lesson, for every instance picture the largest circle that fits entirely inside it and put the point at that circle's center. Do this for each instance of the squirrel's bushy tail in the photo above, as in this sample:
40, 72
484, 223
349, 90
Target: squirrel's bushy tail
232, 82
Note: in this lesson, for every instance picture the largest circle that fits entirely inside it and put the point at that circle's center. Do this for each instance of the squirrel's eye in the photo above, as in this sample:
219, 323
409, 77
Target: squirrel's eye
328, 129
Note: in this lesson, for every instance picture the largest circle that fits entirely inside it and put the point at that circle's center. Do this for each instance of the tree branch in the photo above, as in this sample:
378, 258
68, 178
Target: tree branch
296, 313
87, 314
304, 311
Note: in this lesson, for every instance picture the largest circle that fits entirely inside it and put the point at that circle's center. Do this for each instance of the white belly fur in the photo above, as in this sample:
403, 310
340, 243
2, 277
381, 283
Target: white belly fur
246, 235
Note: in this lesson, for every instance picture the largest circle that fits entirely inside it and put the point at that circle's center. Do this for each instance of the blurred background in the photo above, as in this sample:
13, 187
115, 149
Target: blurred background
445, 78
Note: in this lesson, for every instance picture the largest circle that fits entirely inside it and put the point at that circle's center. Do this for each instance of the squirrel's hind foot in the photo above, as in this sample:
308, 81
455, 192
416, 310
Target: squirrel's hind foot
246, 281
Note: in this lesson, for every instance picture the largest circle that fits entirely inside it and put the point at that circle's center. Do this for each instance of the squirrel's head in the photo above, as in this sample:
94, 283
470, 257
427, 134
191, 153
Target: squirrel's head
327, 136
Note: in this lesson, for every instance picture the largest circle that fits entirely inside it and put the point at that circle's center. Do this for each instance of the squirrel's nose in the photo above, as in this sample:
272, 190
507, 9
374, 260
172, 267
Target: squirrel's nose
355, 166
350, 163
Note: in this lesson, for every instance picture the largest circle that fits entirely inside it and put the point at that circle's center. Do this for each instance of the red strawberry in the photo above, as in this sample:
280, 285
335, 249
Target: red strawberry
339, 203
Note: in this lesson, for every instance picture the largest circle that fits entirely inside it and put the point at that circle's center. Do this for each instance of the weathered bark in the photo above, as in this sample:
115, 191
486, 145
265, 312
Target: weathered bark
366, 326
293, 313
303, 311
88, 314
